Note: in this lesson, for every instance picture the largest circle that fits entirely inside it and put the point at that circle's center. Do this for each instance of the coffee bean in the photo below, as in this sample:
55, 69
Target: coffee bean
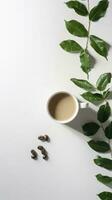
45, 157
34, 154
47, 138
43, 152
40, 148
44, 138
41, 138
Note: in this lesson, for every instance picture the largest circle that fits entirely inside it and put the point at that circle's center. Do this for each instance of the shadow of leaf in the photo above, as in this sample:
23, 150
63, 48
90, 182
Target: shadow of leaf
84, 116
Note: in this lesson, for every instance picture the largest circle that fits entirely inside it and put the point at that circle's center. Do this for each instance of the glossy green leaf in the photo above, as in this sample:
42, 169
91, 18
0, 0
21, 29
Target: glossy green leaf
108, 131
99, 45
106, 94
92, 97
99, 11
99, 146
71, 46
76, 28
103, 162
104, 113
83, 84
79, 7
103, 81
90, 128
85, 61
106, 180
105, 196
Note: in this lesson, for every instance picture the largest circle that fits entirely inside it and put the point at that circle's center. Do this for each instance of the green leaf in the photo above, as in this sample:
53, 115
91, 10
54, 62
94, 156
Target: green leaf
71, 46
83, 84
76, 28
79, 8
99, 146
90, 128
104, 113
103, 162
106, 180
98, 11
108, 131
85, 61
106, 94
105, 196
99, 45
92, 97
103, 81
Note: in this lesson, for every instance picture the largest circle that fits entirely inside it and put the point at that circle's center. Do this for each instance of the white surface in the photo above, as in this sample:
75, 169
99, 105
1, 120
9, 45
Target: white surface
33, 66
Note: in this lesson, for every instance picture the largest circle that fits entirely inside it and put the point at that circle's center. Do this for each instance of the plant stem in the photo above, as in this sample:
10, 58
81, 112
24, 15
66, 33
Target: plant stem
102, 128
88, 76
89, 25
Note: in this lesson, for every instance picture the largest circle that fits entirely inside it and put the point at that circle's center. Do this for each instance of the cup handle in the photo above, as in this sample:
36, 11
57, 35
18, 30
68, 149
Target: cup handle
83, 105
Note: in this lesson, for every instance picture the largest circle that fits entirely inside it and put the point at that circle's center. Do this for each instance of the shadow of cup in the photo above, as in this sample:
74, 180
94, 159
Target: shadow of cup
85, 115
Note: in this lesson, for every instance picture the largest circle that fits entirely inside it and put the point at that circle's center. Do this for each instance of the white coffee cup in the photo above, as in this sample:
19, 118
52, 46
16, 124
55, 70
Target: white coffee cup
51, 104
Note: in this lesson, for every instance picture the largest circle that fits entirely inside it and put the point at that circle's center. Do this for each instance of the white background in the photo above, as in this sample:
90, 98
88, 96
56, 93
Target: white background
32, 67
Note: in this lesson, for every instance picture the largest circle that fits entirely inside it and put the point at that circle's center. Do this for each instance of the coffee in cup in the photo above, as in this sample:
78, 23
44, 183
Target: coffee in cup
63, 107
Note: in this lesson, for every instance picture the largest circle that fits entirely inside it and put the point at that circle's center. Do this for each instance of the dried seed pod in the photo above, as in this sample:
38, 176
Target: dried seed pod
44, 138
34, 154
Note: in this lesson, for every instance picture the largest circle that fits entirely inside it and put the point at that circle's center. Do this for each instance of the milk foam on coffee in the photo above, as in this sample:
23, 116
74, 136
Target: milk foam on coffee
62, 106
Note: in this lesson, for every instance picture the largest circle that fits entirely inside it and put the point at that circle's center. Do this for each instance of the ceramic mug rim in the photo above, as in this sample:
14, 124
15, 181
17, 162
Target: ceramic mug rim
70, 118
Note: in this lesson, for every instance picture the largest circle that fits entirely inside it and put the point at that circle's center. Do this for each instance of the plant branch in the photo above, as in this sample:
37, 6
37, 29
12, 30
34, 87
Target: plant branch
89, 28
102, 128
87, 76
89, 25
